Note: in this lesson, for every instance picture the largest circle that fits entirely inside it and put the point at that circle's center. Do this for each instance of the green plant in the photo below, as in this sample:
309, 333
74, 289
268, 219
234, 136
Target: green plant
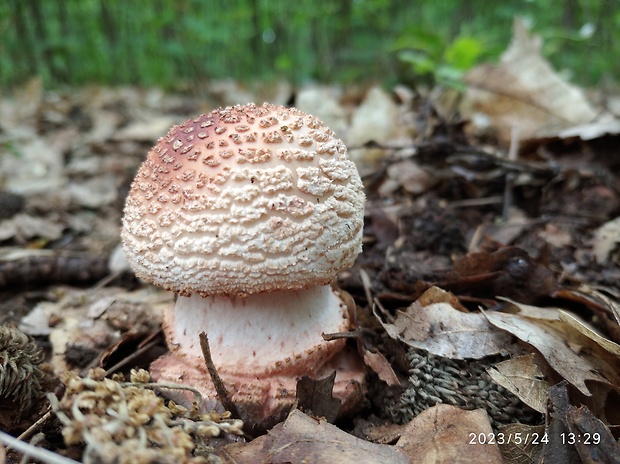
431, 54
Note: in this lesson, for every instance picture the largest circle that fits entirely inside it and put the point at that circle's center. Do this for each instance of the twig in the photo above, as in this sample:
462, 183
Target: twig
328, 337
217, 381
170, 386
41, 454
367, 285
513, 154
40, 421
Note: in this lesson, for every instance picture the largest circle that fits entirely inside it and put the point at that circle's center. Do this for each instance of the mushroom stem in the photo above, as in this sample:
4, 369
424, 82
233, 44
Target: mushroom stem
266, 334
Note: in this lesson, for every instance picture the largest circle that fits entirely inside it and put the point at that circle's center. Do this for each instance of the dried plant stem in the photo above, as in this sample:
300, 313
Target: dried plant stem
222, 393
40, 454
328, 337
34, 427
513, 154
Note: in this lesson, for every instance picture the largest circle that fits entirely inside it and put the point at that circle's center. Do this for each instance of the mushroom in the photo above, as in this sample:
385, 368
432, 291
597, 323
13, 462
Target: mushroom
248, 213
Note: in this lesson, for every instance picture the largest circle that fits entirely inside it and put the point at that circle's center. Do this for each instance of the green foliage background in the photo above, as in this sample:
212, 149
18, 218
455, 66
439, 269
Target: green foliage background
177, 43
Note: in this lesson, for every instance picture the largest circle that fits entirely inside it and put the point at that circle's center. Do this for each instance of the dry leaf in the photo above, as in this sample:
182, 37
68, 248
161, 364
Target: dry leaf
534, 312
522, 451
381, 367
447, 434
444, 331
377, 430
314, 396
524, 378
594, 441
26, 227
605, 124
524, 92
303, 439
549, 338
94, 192
589, 332
555, 449
575, 435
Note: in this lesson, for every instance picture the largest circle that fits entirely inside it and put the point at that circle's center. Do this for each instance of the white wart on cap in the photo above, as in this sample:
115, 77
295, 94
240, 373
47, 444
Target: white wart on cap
243, 200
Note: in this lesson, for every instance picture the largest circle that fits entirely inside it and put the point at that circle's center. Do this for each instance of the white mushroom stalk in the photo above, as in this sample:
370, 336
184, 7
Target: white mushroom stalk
248, 213
275, 333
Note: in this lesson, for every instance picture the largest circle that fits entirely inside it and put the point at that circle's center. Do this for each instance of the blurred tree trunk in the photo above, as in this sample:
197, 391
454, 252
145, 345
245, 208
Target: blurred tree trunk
23, 37
63, 17
570, 13
256, 37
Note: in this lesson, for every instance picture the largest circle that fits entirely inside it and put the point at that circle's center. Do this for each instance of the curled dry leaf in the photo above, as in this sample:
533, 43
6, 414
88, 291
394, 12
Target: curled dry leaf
535, 312
525, 378
524, 92
380, 366
445, 331
589, 332
561, 348
588, 438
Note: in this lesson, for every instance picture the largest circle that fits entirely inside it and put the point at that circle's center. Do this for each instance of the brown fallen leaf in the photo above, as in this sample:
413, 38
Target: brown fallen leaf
605, 124
303, 439
603, 307
589, 332
314, 396
378, 430
380, 366
447, 434
534, 312
442, 434
550, 339
445, 331
524, 92
521, 444
525, 378
555, 448
593, 440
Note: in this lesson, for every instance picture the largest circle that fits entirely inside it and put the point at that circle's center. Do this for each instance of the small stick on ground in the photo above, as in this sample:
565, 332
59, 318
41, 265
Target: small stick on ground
217, 381
36, 426
513, 155
328, 337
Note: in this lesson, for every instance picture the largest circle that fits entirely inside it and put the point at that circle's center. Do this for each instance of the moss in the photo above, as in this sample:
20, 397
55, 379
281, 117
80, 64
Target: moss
20, 374
122, 421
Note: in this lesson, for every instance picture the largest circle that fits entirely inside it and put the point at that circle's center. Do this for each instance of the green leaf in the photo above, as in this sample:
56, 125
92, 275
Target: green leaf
421, 62
463, 53
422, 40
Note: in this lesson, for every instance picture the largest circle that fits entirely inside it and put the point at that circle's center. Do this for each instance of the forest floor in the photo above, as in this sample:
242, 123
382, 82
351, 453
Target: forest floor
487, 293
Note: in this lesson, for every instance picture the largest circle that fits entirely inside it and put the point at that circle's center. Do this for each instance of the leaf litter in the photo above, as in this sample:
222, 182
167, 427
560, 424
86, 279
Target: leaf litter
486, 296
